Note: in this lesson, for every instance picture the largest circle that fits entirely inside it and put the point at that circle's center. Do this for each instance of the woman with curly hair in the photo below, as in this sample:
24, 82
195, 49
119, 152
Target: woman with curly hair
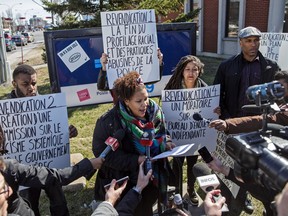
142, 121
186, 75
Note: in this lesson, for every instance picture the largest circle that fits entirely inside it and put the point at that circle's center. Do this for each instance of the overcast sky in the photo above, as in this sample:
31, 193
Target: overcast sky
27, 9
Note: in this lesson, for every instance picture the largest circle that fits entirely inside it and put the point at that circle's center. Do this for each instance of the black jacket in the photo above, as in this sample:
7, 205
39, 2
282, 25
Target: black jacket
118, 164
123, 162
17, 174
228, 76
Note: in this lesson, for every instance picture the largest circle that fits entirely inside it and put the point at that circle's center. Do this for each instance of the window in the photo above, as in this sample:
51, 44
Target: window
232, 18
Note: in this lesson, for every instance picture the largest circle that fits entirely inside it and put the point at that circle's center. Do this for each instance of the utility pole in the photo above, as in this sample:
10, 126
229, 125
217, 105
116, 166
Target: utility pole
4, 65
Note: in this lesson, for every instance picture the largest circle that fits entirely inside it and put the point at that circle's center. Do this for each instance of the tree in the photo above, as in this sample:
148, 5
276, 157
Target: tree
71, 12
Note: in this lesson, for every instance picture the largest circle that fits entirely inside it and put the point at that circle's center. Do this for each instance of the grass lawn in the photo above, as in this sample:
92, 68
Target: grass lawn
84, 118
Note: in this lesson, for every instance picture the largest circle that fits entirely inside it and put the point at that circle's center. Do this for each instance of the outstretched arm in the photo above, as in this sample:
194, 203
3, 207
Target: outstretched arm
41, 177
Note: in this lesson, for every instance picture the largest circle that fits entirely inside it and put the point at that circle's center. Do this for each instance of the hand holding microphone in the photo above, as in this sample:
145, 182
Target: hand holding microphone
197, 117
208, 182
210, 206
112, 144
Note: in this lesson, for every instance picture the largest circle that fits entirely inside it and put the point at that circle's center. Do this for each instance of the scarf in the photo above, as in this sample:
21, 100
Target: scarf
151, 132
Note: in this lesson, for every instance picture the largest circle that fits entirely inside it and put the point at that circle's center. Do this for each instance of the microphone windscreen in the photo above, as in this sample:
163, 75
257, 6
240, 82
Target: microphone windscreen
197, 117
201, 169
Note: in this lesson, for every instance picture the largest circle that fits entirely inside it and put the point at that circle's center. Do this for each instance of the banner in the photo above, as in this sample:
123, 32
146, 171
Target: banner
274, 46
36, 130
130, 40
180, 105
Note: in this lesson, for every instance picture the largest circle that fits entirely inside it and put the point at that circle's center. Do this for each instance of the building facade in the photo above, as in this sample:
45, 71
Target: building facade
220, 20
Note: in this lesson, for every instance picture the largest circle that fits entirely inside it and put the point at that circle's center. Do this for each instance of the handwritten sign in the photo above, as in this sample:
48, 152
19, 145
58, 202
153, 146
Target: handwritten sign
180, 105
73, 56
226, 160
130, 40
36, 130
274, 46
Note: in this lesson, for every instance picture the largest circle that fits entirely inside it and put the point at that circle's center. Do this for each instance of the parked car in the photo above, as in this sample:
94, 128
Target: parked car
7, 35
28, 36
10, 45
20, 40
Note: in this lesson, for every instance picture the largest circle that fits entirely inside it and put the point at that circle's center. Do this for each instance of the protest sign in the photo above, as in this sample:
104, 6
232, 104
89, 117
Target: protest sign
180, 105
274, 46
130, 40
226, 160
36, 130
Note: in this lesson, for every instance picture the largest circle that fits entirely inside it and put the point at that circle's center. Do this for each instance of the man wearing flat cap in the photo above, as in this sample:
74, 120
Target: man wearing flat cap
239, 72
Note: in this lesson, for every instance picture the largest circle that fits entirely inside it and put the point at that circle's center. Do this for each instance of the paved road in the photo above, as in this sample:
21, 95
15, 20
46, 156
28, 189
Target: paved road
16, 55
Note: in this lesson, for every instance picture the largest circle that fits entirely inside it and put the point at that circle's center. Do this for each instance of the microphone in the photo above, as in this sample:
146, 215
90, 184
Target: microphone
198, 117
147, 141
207, 181
113, 142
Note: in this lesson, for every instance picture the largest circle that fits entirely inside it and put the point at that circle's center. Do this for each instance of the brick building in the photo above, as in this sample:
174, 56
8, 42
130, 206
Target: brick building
220, 20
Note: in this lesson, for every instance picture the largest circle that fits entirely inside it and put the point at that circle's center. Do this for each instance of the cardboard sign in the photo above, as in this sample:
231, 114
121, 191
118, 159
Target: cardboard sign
130, 40
36, 130
180, 105
274, 46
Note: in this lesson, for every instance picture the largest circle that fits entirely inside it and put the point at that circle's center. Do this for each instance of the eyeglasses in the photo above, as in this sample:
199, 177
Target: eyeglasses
5, 189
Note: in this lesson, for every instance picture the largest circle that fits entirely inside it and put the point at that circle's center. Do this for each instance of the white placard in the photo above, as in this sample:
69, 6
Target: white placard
226, 160
130, 40
180, 105
274, 46
36, 130
73, 56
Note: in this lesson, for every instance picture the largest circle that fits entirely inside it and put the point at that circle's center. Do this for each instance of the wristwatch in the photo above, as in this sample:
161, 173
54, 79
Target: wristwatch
137, 189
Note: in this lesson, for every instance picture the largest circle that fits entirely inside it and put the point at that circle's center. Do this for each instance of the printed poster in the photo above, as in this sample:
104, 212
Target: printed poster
73, 56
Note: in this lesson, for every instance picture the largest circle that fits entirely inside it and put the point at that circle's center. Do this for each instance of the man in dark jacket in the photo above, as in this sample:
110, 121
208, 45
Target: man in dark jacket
25, 85
239, 72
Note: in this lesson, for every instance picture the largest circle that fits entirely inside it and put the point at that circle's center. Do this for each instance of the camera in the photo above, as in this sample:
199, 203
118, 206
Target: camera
258, 160
266, 92
261, 156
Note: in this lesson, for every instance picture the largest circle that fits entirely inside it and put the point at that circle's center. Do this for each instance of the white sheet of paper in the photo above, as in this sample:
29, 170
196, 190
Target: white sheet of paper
179, 151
